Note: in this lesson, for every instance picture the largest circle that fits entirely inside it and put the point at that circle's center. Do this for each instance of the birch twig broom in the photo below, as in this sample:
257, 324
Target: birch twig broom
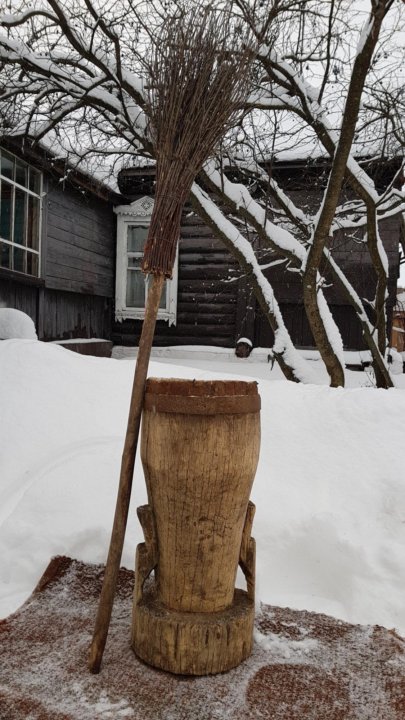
199, 74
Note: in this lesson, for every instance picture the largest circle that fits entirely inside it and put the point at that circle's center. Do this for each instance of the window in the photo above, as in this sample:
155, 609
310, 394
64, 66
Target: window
131, 284
20, 215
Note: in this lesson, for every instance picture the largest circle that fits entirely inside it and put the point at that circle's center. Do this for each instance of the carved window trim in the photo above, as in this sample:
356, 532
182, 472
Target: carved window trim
138, 214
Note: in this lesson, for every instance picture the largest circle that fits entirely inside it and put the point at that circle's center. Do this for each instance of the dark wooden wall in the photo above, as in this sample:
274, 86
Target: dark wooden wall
353, 257
20, 295
72, 315
74, 296
80, 243
216, 307
207, 294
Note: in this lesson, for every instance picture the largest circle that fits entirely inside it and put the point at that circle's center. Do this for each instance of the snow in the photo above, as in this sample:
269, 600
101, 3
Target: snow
285, 648
400, 300
16, 324
330, 520
240, 196
364, 35
331, 328
245, 340
282, 341
81, 341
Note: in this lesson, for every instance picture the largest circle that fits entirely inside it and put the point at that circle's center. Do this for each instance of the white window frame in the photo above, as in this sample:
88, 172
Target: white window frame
139, 213
38, 196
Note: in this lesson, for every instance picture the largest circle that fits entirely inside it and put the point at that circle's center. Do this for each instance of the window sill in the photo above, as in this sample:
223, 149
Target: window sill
21, 278
121, 315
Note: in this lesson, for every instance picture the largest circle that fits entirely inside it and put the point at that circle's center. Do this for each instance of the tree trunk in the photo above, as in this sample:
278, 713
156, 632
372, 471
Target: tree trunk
322, 341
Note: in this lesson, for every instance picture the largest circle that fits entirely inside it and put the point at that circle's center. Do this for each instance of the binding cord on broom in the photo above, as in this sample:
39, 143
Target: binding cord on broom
164, 229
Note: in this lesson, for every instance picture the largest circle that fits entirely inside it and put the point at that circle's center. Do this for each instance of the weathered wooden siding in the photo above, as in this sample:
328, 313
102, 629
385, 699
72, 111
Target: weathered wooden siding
207, 294
80, 243
21, 296
72, 315
74, 296
59, 315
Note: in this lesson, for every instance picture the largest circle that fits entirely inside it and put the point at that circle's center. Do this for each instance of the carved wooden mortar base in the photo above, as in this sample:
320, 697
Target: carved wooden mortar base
189, 643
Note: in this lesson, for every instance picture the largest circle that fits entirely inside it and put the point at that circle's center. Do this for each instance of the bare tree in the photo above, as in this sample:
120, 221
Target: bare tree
325, 74
284, 88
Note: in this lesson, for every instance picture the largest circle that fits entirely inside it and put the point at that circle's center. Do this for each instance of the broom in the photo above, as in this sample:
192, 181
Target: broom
198, 75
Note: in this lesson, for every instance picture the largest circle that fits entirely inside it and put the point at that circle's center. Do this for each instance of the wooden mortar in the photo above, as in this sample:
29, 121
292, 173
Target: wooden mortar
200, 447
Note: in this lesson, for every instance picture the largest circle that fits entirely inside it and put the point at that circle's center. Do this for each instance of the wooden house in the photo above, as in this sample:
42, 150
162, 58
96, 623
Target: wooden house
209, 301
70, 253
57, 246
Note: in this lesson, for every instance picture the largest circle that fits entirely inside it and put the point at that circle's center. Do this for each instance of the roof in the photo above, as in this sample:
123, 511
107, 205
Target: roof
90, 174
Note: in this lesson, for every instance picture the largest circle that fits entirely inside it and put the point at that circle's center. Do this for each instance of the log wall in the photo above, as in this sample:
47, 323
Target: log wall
207, 294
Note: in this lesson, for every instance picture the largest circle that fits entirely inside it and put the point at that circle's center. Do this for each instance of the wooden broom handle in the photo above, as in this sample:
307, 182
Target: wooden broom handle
125, 484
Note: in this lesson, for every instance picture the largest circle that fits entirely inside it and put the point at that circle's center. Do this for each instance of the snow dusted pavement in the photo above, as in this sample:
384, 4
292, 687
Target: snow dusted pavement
304, 666
329, 491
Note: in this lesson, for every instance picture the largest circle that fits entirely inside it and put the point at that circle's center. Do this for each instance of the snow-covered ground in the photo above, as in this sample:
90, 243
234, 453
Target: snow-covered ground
329, 491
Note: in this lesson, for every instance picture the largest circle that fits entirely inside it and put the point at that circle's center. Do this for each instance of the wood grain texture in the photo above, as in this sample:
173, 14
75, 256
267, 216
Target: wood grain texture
80, 243
247, 555
146, 553
193, 643
199, 471
199, 468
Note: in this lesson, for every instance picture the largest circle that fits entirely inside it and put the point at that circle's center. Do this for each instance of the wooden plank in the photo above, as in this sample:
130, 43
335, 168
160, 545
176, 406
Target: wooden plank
196, 306
19, 297
217, 257
80, 258
62, 268
131, 340
87, 238
198, 318
40, 311
205, 297
68, 217
199, 244
67, 315
128, 331
78, 286
206, 272
65, 208
200, 331
67, 199
196, 231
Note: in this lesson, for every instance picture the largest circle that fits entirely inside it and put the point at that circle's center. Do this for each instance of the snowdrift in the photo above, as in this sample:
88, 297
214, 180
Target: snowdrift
329, 491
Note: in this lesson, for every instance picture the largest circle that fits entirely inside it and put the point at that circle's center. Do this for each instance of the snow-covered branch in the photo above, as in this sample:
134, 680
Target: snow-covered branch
77, 69
290, 361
